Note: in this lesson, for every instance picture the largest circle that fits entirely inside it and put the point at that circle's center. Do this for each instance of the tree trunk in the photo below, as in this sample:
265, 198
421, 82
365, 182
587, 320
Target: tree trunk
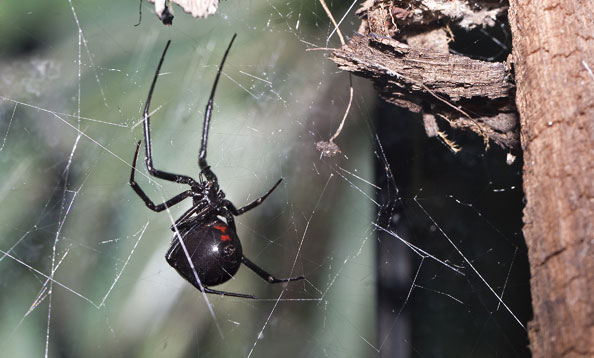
553, 54
553, 51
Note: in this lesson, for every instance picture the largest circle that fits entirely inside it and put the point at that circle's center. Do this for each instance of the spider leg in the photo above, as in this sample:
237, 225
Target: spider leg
229, 205
207, 115
147, 201
257, 269
225, 293
265, 275
147, 135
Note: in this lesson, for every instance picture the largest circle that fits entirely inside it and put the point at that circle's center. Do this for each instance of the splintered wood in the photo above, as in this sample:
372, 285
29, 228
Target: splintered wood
422, 76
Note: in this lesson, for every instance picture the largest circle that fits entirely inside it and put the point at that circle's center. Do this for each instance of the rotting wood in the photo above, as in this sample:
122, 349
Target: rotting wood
553, 49
423, 77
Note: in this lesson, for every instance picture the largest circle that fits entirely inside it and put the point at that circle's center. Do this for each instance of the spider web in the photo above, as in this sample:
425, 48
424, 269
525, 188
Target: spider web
405, 246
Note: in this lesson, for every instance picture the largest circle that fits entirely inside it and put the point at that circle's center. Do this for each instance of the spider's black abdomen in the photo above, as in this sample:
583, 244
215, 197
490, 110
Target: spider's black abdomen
214, 249
207, 251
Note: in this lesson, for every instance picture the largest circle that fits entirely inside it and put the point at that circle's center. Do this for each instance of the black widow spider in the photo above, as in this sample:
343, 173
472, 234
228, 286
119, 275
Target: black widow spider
205, 250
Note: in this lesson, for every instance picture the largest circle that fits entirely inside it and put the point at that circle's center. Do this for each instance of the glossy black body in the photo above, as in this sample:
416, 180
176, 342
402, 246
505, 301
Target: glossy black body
214, 251
205, 250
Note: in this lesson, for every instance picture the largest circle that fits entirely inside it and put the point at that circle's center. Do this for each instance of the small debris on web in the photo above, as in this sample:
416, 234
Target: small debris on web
197, 8
327, 149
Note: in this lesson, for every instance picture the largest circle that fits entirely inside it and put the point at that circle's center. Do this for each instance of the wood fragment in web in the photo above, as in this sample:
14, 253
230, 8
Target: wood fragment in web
471, 94
423, 77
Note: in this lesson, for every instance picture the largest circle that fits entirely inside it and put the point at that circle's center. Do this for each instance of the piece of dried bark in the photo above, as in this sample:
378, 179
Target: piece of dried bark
423, 76
412, 13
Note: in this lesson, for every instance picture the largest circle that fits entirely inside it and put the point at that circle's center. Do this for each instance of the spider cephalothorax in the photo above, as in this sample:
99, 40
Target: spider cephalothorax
205, 250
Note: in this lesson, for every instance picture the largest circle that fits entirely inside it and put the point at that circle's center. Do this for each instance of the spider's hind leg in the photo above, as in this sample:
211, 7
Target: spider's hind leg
265, 275
225, 293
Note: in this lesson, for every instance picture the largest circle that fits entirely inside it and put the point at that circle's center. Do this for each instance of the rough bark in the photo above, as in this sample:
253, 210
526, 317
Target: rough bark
553, 51
403, 48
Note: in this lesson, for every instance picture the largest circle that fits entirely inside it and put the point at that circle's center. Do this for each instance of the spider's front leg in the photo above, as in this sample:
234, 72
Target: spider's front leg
147, 201
146, 124
207, 117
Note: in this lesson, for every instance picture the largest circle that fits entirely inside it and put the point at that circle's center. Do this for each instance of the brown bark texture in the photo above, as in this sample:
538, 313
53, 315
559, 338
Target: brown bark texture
553, 52
403, 46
